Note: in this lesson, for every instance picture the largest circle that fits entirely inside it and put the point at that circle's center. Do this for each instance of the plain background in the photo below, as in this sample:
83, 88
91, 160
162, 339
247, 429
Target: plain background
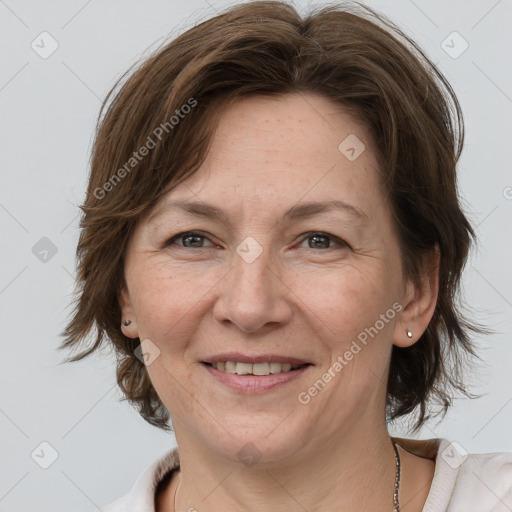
48, 114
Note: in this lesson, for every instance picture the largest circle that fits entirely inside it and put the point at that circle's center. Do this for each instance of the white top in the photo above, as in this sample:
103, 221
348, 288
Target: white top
479, 482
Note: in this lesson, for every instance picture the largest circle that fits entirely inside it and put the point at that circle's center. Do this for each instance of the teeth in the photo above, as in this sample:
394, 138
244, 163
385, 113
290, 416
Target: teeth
275, 367
243, 368
261, 369
253, 369
229, 366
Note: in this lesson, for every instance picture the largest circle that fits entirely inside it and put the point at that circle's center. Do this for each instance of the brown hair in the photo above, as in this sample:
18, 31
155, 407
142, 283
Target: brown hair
354, 57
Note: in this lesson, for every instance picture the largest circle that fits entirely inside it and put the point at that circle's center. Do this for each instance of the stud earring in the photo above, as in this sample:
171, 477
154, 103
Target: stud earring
127, 322
409, 333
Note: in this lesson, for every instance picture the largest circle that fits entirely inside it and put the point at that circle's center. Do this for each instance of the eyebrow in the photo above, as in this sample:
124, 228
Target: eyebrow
296, 212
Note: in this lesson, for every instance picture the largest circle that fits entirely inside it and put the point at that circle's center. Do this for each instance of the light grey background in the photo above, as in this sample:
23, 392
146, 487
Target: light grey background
48, 113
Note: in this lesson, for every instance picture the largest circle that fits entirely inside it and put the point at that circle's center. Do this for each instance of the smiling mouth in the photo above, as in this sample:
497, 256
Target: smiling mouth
255, 369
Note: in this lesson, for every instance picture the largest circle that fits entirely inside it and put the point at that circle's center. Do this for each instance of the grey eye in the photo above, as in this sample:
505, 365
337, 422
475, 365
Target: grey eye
190, 239
323, 241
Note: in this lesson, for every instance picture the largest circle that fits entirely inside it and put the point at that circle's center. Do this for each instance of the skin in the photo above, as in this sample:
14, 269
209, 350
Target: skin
296, 298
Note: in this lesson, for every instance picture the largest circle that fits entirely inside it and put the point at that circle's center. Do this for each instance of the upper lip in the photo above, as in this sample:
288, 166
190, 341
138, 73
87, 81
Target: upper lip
261, 358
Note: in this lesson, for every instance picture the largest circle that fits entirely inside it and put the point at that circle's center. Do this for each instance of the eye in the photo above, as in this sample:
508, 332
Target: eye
190, 239
196, 239
319, 240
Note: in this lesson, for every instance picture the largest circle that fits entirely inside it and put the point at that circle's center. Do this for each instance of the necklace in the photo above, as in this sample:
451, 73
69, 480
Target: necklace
397, 479
396, 503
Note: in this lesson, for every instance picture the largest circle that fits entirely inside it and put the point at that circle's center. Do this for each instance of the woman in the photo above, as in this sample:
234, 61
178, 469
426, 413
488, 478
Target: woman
272, 240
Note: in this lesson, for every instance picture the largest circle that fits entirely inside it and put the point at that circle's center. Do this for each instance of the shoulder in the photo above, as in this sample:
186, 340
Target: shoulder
470, 481
141, 496
485, 481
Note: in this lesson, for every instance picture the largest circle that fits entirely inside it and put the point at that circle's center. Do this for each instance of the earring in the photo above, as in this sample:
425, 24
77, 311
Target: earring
409, 333
127, 322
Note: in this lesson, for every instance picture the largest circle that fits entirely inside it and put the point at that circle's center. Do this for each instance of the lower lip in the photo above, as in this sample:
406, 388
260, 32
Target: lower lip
255, 383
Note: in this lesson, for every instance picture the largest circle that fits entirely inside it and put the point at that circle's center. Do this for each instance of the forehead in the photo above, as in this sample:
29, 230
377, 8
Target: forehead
270, 153
289, 125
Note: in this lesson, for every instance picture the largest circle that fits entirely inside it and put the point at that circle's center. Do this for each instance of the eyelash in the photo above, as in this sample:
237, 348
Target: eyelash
310, 234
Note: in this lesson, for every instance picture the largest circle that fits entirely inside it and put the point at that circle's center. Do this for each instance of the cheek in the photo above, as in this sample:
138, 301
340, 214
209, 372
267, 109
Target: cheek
344, 302
168, 301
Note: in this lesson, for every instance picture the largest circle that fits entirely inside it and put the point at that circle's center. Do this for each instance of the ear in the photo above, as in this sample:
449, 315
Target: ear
127, 313
419, 302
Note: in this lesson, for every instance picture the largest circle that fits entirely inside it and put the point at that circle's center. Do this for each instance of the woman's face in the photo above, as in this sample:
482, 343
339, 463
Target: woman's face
270, 279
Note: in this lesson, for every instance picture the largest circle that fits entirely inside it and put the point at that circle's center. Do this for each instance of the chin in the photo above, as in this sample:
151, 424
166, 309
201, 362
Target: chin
267, 442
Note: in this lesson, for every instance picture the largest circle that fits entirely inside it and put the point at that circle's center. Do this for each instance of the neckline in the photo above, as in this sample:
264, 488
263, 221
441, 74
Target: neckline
443, 479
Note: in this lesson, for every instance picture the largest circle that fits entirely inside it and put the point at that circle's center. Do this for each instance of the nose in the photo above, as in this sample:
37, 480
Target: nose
252, 295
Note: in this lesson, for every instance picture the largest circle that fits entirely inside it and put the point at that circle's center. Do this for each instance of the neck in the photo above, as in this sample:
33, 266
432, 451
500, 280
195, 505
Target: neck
334, 475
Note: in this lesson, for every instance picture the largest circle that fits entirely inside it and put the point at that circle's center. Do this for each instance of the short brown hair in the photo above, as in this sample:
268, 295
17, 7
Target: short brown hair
354, 57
